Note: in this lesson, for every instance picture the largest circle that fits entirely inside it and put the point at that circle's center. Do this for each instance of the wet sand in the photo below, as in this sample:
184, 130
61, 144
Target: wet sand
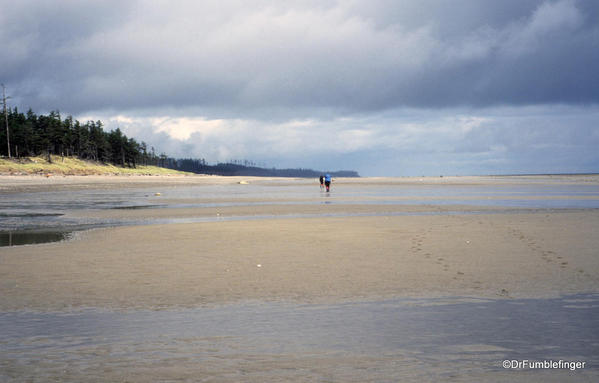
26, 183
495, 252
260, 291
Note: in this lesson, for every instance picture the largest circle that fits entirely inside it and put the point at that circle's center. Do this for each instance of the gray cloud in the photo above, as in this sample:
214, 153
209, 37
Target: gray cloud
348, 56
420, 85
401, 142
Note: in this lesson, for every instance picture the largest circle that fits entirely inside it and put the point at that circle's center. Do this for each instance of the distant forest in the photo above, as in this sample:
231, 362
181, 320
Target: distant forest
34, 135
239, 168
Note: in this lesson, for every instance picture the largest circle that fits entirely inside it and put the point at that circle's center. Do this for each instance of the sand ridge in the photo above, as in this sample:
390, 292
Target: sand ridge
306, 260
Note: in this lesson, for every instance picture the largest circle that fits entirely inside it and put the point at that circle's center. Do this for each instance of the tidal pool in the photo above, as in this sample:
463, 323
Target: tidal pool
25, 237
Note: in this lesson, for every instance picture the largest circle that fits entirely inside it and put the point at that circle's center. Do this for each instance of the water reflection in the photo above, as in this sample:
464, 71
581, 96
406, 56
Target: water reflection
49, 211
16, 238
437, 336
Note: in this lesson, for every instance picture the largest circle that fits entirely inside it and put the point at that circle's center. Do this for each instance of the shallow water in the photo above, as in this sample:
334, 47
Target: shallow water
393, 340
27, 218
49, 210
25, 237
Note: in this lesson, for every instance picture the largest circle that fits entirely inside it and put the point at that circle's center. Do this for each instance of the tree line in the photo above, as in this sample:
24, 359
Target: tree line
246, 168
34, 135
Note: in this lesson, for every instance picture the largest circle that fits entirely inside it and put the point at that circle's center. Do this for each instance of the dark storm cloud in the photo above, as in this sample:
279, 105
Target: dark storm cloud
385, 87
240, 57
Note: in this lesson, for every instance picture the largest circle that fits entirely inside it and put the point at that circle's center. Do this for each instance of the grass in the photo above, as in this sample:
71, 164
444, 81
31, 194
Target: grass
74, 166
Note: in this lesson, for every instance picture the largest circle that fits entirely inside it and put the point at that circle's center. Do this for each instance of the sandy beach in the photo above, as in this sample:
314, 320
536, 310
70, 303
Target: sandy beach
161, 266
299, 253
200, 278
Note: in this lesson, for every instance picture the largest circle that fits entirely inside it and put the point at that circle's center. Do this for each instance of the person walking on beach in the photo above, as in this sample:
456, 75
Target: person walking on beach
321, 182
327, 181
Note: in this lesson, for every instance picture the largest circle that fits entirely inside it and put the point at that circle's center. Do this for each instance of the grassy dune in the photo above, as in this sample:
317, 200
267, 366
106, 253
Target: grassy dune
73, 166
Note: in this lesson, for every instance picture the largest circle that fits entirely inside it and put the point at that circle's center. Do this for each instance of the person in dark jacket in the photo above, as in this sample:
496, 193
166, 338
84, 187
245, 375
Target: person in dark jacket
327, 181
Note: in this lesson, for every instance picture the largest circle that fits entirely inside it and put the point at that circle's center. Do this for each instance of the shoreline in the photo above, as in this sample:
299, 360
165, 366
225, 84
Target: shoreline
39, 182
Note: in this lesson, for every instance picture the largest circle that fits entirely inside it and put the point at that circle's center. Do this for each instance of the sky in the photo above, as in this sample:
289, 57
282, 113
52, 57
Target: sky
383, 87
